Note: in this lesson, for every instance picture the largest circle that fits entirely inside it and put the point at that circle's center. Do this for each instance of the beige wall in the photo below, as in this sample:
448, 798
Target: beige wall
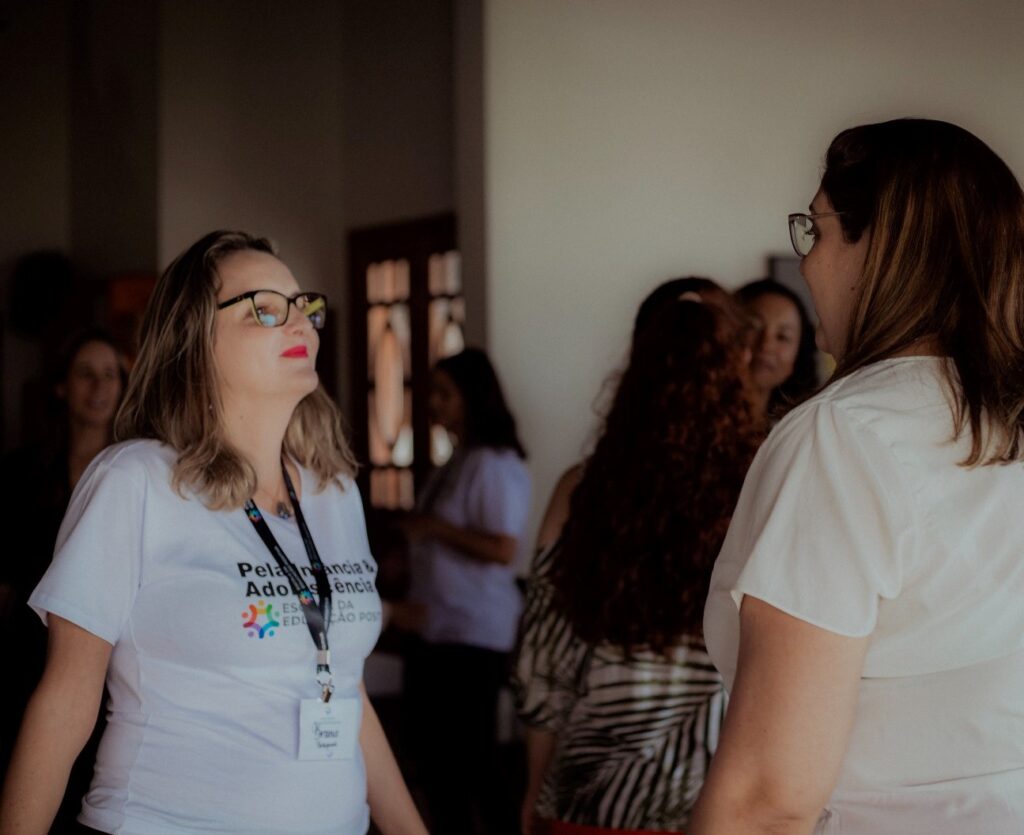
250, 119
303, 121
113, 136
628, 142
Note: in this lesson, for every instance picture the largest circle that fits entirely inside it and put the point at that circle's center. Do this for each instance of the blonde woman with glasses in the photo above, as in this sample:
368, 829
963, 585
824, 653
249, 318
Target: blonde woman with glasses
214, 568
867, 608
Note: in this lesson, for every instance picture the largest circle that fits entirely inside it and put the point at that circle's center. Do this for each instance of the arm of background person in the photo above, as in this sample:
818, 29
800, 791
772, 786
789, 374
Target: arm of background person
58, 721
391, 805
557, 512
540, 747
540, 744
478, 545
789, 720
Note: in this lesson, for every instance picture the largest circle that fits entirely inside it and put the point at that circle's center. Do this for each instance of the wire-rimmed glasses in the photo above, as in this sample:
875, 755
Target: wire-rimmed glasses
802, 233
271, 308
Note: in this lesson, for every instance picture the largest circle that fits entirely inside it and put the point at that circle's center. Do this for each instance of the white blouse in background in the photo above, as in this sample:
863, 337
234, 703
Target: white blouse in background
857, 517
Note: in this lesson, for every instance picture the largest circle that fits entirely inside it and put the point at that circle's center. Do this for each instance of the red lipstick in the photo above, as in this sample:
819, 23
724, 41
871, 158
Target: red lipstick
297, 351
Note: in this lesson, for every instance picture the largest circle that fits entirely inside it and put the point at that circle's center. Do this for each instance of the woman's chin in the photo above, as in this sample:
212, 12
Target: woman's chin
305, 383
765, 383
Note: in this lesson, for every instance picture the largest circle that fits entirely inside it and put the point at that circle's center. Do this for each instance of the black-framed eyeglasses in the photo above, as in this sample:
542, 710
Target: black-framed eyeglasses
271, 308
802, 233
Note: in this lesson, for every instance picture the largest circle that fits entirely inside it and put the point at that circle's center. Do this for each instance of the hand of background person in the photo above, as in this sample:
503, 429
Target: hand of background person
407, 616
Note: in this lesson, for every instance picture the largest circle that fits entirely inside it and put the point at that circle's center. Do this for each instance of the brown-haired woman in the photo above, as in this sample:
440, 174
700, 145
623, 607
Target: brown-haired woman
185, 574
620, 699
36, 482
784, 366
866, 608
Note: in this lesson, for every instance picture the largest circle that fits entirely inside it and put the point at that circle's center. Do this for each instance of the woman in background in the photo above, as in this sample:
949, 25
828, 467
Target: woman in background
464, 538
784, 366
37, 482
866, 609
38, 479
621, 701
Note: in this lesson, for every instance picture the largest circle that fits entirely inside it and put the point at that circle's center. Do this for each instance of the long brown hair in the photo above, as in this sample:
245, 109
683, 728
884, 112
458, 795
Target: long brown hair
653, 505
172, 393
488, 420
945, 262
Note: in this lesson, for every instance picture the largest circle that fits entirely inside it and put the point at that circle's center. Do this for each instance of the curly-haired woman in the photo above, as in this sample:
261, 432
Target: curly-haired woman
620, 698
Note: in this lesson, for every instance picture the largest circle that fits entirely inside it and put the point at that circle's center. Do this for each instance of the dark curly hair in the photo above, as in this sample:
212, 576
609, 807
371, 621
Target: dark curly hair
651, 510
803, 382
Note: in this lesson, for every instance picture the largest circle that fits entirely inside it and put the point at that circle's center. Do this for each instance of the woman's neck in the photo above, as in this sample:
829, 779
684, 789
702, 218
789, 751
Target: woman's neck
86, 441
759, 400
257, 431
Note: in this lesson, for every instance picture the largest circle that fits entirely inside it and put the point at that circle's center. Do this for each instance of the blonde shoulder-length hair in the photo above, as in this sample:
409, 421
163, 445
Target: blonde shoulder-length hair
172, 392
944, 263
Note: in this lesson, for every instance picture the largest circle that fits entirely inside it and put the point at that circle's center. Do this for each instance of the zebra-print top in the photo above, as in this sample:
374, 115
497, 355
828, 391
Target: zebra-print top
635, 735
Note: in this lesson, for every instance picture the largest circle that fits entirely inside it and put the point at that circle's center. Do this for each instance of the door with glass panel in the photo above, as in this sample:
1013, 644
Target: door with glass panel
407, 312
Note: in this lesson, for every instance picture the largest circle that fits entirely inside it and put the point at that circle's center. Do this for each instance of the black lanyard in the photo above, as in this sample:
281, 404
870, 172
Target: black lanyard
318, 618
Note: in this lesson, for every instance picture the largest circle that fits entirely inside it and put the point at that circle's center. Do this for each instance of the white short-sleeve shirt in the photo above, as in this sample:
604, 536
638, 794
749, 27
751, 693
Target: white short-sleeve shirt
211, 652
468, 601
856, 517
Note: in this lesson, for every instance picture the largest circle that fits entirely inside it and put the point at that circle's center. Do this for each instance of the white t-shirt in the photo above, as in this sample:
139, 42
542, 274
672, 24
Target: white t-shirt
469, 601
857, 518
211, 653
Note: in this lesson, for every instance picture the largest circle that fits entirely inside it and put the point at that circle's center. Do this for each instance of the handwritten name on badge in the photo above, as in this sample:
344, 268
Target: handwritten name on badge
329, 731
326, 733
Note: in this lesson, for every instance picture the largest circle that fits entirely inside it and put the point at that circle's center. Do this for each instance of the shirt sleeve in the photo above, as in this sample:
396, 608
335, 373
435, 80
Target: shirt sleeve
824, 525
499, 496
550, 660
96, 568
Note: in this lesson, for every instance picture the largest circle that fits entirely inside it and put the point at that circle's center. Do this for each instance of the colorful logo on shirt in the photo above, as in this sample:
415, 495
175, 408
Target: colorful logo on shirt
251, 620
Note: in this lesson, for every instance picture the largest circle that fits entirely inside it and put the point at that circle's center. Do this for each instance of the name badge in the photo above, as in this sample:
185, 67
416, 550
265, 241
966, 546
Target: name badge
329, 731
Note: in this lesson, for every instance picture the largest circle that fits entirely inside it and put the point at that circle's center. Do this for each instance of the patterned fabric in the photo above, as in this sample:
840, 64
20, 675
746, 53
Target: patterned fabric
563, 828
635, 735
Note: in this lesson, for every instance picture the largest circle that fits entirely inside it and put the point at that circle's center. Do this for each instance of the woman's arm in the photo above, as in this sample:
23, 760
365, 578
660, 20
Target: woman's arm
540, 748
58, 721
479, 545
789, 720
557, 512
540, 744
391, 805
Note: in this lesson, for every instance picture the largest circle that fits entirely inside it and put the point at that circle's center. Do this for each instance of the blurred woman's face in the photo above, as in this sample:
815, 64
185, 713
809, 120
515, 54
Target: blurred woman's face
776, 343
447, 406
833, 270
93, 386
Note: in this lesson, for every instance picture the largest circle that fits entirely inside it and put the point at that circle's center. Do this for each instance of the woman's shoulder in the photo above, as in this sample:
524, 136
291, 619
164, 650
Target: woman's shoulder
879, 397
142, 459
342, 488
557, 512
490, 459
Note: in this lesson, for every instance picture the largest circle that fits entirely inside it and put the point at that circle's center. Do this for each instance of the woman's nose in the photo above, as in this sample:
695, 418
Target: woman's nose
297, 320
